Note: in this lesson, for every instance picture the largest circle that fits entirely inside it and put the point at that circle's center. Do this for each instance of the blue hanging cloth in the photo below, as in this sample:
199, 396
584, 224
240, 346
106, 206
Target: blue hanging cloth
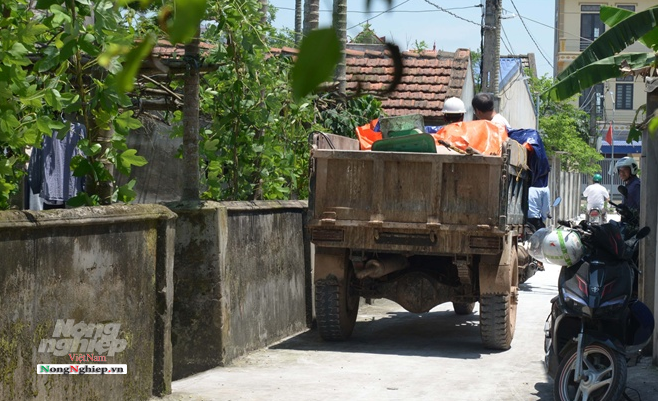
537, 160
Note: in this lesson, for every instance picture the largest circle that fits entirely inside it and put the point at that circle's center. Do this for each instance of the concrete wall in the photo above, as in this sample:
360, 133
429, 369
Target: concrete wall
565, 184
241, 279
100, 265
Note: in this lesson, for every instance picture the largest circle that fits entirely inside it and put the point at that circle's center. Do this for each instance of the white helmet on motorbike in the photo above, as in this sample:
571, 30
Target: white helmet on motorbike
562, 247
627, 162
535, 244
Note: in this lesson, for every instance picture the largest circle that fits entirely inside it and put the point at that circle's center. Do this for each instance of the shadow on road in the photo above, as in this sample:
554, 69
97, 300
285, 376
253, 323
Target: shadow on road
544, 391
434, 334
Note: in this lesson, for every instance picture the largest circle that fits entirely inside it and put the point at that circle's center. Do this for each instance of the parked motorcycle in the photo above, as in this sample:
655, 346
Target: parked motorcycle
596, 324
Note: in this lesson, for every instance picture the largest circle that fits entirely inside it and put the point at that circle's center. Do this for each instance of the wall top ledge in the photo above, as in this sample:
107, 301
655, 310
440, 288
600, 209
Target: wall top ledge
84, 215
238, 206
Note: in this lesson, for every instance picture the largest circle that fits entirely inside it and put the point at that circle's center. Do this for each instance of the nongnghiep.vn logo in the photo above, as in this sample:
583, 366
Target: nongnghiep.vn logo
46, 369
69, 337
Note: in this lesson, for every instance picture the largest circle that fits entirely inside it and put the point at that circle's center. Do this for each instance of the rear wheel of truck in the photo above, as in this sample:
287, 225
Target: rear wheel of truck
336, 304
498, 313
463, 308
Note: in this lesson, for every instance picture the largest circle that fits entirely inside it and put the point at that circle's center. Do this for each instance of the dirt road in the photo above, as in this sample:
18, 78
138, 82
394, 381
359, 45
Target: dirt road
396, 355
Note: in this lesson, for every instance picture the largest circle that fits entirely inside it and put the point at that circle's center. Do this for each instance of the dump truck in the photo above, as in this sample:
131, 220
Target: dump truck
420, 229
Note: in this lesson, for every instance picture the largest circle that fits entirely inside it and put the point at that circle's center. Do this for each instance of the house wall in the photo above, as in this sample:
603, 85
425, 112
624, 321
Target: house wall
568, 48
101, 265
516, 103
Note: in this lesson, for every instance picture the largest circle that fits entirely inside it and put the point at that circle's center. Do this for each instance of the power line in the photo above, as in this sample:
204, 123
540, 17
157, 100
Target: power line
388, 11
445, 10
529, 34
381, 13
510, 49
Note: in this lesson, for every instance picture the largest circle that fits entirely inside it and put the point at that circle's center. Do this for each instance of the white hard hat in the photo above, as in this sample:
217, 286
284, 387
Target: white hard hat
562, 247
453, 105
627, 162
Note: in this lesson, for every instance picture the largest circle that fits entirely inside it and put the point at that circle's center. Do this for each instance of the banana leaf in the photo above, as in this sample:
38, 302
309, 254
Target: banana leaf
615, 40
611, 16
597, 72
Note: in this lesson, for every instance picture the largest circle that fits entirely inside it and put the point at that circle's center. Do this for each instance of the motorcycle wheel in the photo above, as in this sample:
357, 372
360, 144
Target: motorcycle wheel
604, 376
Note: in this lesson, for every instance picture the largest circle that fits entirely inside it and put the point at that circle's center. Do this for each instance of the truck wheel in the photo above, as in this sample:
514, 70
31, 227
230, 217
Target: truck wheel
463, 308
498, 314
336, 306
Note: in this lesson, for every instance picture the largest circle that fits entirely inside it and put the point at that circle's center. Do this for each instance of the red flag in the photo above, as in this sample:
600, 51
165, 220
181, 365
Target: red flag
608, 136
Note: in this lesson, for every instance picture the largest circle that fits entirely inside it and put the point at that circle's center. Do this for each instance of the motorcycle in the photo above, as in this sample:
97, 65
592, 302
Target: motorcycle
594, 216
596, 324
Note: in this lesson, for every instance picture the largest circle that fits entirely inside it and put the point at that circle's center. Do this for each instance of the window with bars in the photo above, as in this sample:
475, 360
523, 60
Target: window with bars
629, 7
591, 26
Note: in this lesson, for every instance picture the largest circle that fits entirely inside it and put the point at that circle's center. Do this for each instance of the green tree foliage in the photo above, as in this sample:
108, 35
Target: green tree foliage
565, 128
54, 63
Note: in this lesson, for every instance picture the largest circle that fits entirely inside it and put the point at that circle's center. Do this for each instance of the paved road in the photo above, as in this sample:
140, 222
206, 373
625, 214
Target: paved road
396, 355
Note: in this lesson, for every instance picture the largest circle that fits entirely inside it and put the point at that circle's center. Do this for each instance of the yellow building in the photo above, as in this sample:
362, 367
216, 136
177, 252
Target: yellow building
577, 25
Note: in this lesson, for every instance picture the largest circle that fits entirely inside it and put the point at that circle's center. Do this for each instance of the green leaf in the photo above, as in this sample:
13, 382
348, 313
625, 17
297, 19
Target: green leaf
318, 55
126, 78
615, 40
611, 16
596, 72
45, 4
129, 158
125, 193
187, 16
653, 125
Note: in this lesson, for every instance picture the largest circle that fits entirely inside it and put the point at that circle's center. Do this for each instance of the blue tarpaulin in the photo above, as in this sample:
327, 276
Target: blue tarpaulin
537, 160
621, 147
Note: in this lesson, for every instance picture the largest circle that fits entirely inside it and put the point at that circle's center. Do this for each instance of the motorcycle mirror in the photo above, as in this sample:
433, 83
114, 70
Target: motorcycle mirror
644, 231
557, 201
623, 190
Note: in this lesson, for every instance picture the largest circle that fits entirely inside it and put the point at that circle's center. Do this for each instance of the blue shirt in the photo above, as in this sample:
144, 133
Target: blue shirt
633, 198
538, 202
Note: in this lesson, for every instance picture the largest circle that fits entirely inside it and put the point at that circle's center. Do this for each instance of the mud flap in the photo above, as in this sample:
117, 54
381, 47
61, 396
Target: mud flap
496, 270
330, 261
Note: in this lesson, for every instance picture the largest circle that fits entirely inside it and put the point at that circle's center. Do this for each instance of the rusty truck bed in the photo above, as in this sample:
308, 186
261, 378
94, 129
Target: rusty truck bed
415, 202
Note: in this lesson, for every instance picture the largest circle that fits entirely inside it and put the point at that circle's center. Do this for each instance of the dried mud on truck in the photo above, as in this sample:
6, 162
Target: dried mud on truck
420, 229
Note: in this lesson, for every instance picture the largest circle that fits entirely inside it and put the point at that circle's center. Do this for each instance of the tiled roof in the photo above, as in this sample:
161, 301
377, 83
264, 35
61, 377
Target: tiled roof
428, 78
164, 49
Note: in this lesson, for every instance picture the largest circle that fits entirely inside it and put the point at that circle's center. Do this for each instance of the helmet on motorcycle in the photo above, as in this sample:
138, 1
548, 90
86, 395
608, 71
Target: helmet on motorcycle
535, 243
562, 247
627, 162
453, 105
597, 178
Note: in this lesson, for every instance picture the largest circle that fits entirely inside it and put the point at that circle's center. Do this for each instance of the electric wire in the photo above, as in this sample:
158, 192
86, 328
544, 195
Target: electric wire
529, 34
510, 49
381, 13
445, 10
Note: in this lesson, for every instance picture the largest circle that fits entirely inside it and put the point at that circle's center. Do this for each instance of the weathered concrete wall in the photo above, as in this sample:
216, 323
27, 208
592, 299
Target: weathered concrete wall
100, 265
241, 280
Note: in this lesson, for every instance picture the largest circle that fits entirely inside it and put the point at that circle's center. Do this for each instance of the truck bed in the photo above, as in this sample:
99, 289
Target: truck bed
417, 202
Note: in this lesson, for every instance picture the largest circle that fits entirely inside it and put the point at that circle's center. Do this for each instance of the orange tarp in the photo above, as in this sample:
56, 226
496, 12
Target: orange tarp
367, 135
480, 135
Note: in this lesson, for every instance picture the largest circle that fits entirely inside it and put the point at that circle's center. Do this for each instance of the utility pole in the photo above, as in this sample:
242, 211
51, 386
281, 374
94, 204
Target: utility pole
491, 47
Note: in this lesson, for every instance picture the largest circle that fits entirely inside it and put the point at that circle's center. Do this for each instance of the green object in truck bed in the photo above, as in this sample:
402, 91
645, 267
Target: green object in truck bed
419, 143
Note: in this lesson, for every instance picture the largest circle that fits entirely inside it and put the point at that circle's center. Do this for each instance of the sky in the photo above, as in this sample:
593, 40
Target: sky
451, 24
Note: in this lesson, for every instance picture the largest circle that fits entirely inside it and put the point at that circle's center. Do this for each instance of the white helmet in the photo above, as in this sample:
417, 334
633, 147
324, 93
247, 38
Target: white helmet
627, 162
535, 244
562, 247
453, 105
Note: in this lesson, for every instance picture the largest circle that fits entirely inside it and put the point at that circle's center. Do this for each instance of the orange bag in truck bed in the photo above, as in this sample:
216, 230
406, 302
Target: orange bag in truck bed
480, 135
367, 134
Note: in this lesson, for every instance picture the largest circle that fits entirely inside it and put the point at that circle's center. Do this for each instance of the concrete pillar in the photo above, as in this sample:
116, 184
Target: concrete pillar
649, 217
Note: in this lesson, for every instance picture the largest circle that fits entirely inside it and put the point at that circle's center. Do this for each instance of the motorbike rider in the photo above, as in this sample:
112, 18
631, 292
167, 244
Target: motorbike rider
627, 169
597, 197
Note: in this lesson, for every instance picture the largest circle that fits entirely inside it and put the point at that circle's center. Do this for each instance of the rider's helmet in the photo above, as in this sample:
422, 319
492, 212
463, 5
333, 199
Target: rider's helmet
597, 178
627, 162
562, 247
453, 105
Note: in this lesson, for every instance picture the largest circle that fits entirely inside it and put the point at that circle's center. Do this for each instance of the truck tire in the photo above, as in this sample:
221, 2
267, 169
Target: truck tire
336, 306
498, 313
463, 308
